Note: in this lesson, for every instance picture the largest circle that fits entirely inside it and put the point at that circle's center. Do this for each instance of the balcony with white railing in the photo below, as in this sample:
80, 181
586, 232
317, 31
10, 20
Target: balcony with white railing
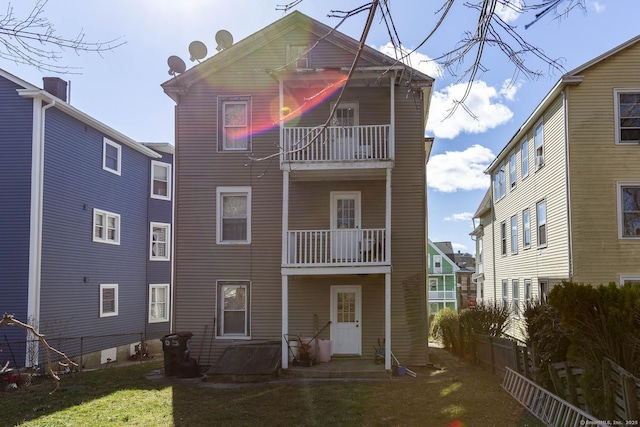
342, 144
336, 248
442, 295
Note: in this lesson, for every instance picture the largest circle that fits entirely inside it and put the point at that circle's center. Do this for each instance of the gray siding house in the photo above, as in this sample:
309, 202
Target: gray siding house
301, 198
86, 218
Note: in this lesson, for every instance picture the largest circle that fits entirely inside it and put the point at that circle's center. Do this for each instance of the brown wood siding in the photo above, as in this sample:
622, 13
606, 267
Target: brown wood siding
200, 169
597, 164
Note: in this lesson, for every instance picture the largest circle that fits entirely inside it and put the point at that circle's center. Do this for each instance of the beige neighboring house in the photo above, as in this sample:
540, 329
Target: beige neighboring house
565, 196
330, 226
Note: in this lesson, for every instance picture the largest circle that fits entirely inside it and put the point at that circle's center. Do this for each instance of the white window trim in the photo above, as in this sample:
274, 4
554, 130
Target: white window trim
629, 277
528, 297
616, 113
528, 211
514, 236
219, 311
515, 298
513, 174
437, 259
503, 238
619, 186
224, 191
154, 319
539, 163
155, 163
524, 160
505, 292
103, 287
105, 143
546, 228
237, 99
167, 242
106, 215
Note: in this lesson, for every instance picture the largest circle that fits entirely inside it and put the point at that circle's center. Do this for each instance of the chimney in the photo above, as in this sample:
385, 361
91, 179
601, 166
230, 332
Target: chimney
56, 87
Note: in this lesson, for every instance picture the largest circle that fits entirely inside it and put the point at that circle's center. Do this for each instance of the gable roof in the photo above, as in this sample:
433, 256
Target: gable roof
31, 91
454, 266
180, 84
573, 77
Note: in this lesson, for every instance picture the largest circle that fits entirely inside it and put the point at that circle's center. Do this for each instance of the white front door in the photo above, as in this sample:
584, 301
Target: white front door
345, 226
345, 320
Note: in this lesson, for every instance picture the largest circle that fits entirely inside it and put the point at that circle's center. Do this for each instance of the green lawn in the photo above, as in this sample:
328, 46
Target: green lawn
122, 396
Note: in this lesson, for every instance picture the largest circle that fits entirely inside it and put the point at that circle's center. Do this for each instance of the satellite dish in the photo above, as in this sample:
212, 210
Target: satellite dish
224, 39
197, 50
176, 65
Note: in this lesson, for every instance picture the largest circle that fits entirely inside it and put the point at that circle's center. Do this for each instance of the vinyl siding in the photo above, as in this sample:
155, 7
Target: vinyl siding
73, 266
597, 163
16, 122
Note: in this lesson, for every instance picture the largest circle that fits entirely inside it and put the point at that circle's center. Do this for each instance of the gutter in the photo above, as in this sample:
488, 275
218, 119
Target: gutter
567, 188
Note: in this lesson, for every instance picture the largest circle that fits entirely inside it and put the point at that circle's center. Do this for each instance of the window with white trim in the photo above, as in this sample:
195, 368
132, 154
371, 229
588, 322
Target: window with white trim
514, 234
234, 123
233, 213
524, 158
108, 300
234, 302
297, 56
629, 210
111, 156
499, 184
526, 229
505, 293
541, 219
515, 297
437, 263
512, 170
538, 143
627, 116
106, 227
160, 180
158, 303
159, 248
527, 291
630, 280
503, 238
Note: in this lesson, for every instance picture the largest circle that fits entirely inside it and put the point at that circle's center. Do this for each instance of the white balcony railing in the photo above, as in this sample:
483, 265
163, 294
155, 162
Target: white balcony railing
442, 295
345, 247
336, 143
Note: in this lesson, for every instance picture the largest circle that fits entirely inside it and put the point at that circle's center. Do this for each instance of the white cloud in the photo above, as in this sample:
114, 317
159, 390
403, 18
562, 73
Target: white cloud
510, 10
598, 7
462, 216
509, 89
483, 101
459, 247
415, 60
459, 170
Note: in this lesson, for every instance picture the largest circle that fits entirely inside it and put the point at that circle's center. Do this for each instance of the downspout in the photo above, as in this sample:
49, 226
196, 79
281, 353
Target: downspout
35, 223
493, 239
567, 183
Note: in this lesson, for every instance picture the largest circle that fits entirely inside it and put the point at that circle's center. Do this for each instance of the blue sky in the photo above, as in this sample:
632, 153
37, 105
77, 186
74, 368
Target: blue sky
121, 88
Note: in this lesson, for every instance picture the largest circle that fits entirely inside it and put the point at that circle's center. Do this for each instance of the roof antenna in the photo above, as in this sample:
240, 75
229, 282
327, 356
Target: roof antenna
224, 39
197, 50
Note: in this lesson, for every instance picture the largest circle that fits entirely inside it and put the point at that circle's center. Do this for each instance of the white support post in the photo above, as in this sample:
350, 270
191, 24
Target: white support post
387, 321
392, 118
285, 321
285, 279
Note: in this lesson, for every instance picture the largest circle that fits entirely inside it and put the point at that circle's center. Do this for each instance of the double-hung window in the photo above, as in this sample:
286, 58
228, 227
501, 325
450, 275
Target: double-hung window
515, 297
514, 234
234, 298
629, 210
505, 293
160, 180
108, 300
512, 170
524, 158
527, 291
538, 143
158, 303
234, 123
233, 212
526, 229
159, 242
297, 56
437, 264
541, 219
503, 238
499, 184
111, 156
627, 116
106, 227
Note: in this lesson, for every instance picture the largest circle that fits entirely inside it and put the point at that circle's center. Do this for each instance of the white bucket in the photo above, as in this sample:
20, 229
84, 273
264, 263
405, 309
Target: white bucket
324, 350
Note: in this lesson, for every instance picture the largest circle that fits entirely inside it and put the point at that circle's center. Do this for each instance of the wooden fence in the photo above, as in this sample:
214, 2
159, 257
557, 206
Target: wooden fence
493, 354
622, 391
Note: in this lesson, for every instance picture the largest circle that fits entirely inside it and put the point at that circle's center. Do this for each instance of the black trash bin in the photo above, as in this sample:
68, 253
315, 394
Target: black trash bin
176, 352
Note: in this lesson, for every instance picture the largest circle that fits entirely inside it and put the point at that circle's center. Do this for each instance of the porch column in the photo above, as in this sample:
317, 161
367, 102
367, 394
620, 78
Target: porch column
285, 279
285, 321
387, 321
392, 118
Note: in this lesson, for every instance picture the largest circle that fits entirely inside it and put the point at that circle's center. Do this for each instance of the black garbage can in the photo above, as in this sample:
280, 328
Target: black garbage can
176, 352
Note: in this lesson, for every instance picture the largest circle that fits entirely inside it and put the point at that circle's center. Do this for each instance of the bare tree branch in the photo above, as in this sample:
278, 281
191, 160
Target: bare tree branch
32, 40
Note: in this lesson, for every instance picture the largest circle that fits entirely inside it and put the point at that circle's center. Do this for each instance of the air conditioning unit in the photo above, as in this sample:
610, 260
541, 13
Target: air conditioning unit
539, 161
